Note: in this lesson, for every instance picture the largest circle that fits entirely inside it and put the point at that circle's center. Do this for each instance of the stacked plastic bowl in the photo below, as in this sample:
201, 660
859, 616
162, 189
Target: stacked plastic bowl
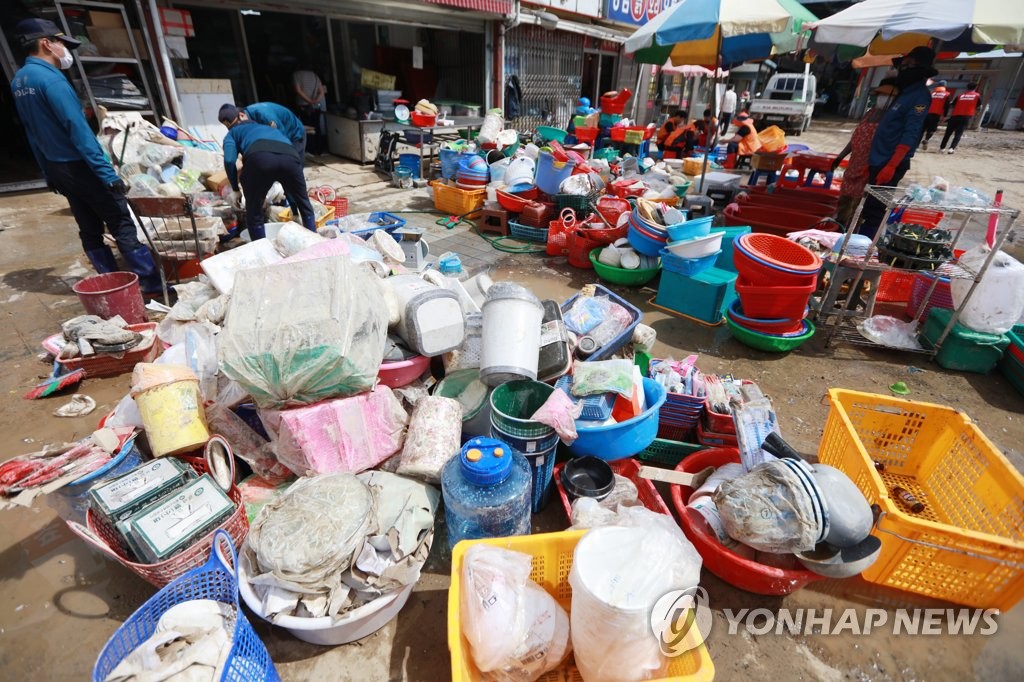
473, 172
776, 279
646, 237
691, 248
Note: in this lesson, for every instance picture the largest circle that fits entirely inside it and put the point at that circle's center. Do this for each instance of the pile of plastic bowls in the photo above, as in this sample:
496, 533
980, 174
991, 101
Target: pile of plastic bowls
646, 237
473, 172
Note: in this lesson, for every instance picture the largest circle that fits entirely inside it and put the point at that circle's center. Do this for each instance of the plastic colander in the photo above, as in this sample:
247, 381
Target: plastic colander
780, 252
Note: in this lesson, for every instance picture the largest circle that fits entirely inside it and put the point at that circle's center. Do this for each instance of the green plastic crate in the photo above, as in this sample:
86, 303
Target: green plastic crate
964, 349
668, 453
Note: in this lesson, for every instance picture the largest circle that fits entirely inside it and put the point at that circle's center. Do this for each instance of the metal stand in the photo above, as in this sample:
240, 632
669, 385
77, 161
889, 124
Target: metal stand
165, 234
842, 321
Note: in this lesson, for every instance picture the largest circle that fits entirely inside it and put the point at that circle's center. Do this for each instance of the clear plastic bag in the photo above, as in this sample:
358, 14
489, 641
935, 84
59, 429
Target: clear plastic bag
590, 378
888, 331
586, 313
299, 333
998, 302
616, 320
516, 630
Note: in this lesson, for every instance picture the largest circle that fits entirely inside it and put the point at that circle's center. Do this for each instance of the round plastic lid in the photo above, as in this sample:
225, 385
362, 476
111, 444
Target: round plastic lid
486, 461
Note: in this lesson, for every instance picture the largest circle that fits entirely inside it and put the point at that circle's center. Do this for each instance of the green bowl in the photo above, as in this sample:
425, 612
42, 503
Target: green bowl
552, 133
767, 343
622, 276
683, 188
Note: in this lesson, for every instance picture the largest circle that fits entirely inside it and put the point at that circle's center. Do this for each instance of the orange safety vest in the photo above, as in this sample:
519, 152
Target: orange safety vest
939, 97
751, 143
967, 103
666, 131
679, 134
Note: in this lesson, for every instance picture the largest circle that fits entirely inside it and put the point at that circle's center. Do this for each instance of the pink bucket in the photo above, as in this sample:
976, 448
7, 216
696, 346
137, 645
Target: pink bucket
111, 294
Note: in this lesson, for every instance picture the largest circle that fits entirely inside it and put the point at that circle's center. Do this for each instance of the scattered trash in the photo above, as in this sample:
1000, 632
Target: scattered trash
79, 406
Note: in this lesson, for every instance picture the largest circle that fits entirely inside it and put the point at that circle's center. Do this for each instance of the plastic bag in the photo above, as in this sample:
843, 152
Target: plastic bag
590, 378
560, 413
888, 331
494, 123
998, 302
516, 630
615, 322
201, 357
586, 313
618, 574
769, 509
299, 333
435, 434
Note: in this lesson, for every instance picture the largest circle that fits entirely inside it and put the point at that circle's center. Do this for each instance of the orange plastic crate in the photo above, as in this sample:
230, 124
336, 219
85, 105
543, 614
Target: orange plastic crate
458, 202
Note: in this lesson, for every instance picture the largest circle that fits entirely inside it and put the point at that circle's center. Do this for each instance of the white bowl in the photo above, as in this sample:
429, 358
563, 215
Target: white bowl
355, 624
696, 248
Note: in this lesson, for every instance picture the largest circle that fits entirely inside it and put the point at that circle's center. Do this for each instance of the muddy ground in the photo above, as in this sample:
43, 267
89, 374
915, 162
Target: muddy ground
60, 601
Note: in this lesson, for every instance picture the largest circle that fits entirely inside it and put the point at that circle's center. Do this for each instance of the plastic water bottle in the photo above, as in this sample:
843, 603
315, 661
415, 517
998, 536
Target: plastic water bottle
486, 492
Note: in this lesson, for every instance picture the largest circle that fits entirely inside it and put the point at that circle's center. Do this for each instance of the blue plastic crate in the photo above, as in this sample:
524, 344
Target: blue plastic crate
527, 233
595, 407
724, 260
704, 296
605, 351
687, 266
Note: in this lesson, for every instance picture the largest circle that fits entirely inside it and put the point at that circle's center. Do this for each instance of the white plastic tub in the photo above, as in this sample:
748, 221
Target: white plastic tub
511, 334
355, 624
431, 320
696, 248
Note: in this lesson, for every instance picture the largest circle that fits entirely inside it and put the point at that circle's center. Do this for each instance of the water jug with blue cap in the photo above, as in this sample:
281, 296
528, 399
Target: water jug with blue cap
486, 492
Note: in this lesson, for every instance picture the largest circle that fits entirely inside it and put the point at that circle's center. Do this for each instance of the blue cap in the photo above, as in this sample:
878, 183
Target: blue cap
30, 30
485, 461
585, 101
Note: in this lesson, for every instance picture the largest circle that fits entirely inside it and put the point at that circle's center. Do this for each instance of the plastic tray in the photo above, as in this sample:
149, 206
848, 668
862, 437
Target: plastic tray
667, 452
386, 221
527, 233
647, 494
624, 336
552, 560
595, 407
966, 546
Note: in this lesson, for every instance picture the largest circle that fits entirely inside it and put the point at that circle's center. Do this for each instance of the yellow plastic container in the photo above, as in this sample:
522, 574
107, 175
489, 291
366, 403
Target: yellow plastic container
692, 166
773, 139
171, 406
457, 202
967, 546
552, 560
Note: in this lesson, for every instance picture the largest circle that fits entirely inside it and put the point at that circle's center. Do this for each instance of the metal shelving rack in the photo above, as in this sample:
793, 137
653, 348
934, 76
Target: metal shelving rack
842, 322
82, 61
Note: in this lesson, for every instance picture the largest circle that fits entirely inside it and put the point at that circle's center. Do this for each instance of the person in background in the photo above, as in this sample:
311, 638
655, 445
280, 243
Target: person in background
744, 142
311, 99
858, 148
936, 110
268, 157
70, 157
684, 138
965, 105
277, 116
675, 119
728, 107
899, 131
710, 128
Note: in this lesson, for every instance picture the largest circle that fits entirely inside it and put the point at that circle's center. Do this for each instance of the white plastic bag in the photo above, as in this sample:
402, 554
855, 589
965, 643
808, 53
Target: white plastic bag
998, 302
516, 630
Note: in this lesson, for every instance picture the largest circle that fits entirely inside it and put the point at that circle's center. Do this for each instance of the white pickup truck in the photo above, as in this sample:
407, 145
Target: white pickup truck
785, 104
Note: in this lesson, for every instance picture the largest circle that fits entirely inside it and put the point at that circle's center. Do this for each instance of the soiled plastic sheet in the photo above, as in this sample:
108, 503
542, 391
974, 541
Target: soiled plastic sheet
299, 333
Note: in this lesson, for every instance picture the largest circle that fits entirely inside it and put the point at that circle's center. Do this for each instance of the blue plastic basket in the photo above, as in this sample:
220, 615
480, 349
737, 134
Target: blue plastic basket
527, 233
72, 501
449, 163
248, 660
385, 221
605, 351
595, 407
688, 266
691, 229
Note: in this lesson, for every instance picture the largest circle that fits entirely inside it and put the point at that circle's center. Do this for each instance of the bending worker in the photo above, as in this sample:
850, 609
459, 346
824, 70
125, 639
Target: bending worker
70, 157
274, 115
671, 124
684, 138
744, 142
269, 157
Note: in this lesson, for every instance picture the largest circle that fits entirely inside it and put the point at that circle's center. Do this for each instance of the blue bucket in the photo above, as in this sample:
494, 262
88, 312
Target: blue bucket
449, 163
624, 439
551, 173
410, 161
72, 501
542, 466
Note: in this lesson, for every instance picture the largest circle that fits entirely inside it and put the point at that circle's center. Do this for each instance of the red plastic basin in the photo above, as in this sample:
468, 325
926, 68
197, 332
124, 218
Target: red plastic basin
403, 372
773, 303
757, 272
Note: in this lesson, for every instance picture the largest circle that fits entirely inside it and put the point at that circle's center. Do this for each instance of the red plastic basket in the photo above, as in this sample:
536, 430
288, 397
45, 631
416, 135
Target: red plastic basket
772, 302
328, 196
580, 246
715, 439
781, 252
611, 208
109, 364
745, 574
756, 272
587, 134
559, 232
618, 133
423, 120
627, 468
942, 295
922, 216
894, 286
102, 538
625, 189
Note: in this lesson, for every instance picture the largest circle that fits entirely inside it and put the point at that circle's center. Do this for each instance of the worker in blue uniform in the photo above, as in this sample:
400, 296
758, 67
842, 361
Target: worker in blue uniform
70, 157
899, 131
268, 157
282, 118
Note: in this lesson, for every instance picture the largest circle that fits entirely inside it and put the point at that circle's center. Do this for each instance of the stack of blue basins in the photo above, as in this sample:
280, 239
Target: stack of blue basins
691, 229
646, 237
473, 172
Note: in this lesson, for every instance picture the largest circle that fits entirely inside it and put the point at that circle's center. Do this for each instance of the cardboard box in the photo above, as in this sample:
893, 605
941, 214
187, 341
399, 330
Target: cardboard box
177, 22
216, 182
100, 18
113, 42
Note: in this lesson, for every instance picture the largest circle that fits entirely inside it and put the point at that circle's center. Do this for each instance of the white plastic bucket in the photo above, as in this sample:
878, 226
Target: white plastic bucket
431, 320
511, 334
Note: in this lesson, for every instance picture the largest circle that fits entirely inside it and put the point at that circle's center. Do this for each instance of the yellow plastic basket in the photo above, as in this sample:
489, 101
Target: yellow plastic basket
552, 559
967, 546
458, 202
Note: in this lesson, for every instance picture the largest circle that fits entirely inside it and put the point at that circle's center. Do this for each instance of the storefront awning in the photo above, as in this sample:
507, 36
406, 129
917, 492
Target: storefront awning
492, 6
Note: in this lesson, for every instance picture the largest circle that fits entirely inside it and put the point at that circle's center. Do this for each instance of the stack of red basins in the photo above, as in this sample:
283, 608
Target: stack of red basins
776, 279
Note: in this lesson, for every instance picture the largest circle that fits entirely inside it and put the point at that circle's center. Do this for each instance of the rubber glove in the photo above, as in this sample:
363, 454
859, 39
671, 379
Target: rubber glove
885, 175
119, 187
236, 199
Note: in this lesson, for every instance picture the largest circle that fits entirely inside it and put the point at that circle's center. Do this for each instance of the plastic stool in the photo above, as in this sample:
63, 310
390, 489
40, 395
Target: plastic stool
859, 306
494, 220
809, 182
769, 176
644, 149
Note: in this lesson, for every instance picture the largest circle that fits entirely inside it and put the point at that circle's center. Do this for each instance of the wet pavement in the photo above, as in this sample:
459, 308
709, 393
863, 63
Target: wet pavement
60, 601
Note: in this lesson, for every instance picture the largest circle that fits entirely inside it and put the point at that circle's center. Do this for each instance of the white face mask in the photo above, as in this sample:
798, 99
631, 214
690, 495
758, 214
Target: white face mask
66, 59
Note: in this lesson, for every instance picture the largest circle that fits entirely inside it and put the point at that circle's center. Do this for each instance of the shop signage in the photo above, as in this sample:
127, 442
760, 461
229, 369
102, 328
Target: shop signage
636, 12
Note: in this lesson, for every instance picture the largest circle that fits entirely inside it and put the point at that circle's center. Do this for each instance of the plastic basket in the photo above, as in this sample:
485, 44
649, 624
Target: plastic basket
581, 204
72, 501
103, 538
109, 364
328, 196
942, 294
552, 555
715, 439
588, 135
558, 233
595, 407
967, 546
894, 286
624, 336
647, 494
458, 202
666, 452
580, 245
527, 233
248, 660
